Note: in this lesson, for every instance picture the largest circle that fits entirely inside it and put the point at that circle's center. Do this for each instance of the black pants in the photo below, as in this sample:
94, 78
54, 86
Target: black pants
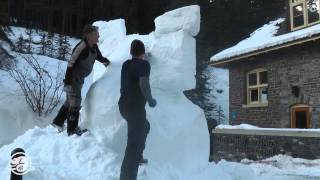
70, 109
138, 129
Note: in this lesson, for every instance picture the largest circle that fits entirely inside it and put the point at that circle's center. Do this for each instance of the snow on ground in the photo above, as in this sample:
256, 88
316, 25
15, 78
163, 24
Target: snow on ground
284, 167
241, 126
178, 143
88, 158
264, 37
16, 115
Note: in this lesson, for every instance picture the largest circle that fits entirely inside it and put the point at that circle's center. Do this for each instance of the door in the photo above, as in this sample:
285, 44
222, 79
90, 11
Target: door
301, 117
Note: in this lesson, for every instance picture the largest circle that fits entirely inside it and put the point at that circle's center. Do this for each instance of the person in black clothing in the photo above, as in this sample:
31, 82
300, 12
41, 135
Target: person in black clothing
80, 66
135, 92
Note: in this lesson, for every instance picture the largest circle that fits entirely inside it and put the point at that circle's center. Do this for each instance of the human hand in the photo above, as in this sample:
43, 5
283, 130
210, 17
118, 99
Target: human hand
152, 103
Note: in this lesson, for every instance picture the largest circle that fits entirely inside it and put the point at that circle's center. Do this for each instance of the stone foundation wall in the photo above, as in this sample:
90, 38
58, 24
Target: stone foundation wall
235, 145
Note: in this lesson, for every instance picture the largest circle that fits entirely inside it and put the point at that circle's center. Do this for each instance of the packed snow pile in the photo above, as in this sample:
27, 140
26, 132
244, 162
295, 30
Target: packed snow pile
265, 37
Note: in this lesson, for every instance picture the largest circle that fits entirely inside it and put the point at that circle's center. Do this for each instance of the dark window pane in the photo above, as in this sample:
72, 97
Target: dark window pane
264, 95
313, 11
301, 119
263, 77
254, 95
253, 79
298, 17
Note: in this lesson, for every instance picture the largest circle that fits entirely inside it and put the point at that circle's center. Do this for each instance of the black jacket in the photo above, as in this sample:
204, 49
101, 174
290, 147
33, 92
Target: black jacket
79, 54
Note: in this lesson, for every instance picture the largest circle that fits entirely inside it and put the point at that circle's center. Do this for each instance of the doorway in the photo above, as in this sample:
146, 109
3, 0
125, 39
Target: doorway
301, 117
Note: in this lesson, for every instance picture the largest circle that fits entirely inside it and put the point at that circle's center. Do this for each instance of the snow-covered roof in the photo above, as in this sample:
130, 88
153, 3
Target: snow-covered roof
262, 39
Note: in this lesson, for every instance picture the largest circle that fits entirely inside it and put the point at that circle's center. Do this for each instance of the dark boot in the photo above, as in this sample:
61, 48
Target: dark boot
80, 131
61, 117
73, 121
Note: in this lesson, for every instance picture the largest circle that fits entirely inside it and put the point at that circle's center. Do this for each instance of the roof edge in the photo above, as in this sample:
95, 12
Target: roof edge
225, 61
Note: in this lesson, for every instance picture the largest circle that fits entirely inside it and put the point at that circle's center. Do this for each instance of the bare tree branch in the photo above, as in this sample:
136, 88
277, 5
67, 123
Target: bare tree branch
41, 89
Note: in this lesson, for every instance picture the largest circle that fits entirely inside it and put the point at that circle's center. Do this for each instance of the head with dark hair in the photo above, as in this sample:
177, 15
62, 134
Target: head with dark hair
90, 34
137, 48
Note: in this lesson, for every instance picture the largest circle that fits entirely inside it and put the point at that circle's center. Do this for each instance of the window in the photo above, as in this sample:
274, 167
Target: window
257, 86
304, 13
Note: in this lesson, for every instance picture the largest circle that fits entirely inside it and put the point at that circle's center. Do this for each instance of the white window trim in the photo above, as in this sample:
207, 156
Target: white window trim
258, 86
305, 15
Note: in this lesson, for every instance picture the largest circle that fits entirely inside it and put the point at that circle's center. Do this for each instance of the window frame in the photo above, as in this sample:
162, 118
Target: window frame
258, 87
305, 14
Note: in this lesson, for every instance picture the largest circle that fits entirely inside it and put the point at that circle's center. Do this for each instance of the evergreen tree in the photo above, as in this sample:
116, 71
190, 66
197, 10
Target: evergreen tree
64, 47
43, 49
50, 45
220, 116
29, 40
20, 45
207, 97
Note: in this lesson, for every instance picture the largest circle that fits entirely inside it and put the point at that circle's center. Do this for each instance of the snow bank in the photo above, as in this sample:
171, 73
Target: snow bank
56, 156
264, 37
15, 114
284, 167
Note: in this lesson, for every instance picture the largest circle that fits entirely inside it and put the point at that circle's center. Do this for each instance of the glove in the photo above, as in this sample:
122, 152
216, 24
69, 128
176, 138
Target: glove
152, 103
106, 64
67, 88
